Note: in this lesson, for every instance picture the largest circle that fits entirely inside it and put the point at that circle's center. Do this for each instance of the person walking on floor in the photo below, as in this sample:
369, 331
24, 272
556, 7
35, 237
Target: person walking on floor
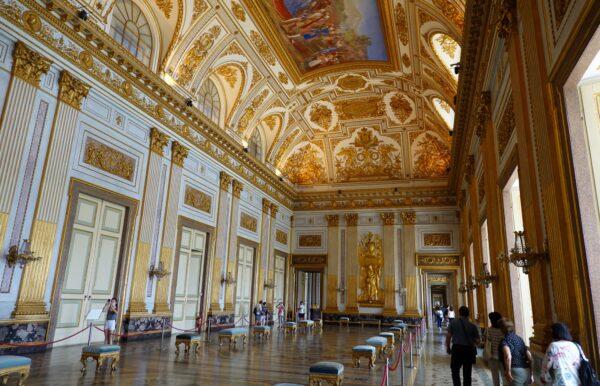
439, 317
451, 314
516, 356
464, 337
563, 358
264, 313
493, 337
280, 314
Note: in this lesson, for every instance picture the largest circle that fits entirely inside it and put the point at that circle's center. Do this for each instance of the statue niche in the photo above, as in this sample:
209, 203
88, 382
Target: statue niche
370, 258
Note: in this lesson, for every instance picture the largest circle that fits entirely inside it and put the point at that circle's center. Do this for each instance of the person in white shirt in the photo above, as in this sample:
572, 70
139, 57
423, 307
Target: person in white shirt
560, 366
451, 314
301, 311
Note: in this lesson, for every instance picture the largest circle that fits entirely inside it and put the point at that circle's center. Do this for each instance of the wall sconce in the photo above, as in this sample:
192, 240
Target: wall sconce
463, 289
23, 255
227, 279
522, 255
269, 284
401, 291
341, 290
471, 283
486, 278
158, 272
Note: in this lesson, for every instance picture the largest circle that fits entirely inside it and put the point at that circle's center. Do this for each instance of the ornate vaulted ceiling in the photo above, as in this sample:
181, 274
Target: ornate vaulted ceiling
341, 92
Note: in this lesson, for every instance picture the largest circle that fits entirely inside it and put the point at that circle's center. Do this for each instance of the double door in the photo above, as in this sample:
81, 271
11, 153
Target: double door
190, 275
91, 267
243, 295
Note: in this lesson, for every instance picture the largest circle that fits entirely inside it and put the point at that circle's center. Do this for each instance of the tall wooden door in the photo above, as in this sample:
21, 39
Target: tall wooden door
190, 273
90, 275
279, 280
243, 296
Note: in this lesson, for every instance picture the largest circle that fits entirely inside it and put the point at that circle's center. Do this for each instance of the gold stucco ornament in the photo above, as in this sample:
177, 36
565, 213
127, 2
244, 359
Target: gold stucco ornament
371, 261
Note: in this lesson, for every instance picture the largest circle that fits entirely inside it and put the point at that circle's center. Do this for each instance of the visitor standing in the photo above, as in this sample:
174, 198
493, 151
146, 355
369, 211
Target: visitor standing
258, 313
563, 358
111, 309
516, 356
439, 313
280, 314
264, 314
493, 337
464, 337
301, 310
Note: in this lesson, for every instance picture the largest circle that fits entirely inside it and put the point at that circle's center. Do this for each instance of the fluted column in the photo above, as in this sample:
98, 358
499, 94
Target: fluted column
149, 215
238, 187
27, 70
30, 302
389, 263
331, 282
263, 252
351, 262
271, 249
412, 307
167, 251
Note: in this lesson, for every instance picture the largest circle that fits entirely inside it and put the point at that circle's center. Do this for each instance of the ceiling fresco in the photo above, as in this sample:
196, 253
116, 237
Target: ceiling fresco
343, 93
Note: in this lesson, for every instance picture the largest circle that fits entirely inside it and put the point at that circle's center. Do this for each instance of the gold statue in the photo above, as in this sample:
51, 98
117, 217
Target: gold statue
371, 262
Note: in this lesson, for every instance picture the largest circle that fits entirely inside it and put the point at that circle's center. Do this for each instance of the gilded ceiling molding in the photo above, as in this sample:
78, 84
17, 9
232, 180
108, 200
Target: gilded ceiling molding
351, 219
238, 187
238, 11
166, 6
507, 22
195, 55
251, 110
158, 141
225, 181
451, 12
388, 218
176, 38
262, 47
274, 210
28, 65
71, 90
408, 218
178, 153
483, 113
401, 23
305, 166
200, 7
333, 220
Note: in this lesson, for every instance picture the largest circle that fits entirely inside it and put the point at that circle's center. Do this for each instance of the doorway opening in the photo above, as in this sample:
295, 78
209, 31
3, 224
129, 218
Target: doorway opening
308, 291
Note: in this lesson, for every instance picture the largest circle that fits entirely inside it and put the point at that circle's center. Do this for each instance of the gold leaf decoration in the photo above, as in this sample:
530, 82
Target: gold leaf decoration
369, 157
28, 64
448, 45
199, 7
309, 241
321, 115
251, 110
238, 11
370, 259
248, 222
437, 239
360, 108
197, 199
432, 158
452, 12
262, 47
401, 107
166, 6
401, 24
351, 82
281, 237
71, 90
229, 73
194, 57
305, 166
108, 159
283, 78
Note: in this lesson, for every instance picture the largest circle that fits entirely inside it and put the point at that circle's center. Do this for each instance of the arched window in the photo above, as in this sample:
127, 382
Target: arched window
208, 101
448, 50
445, 111
130, 28
255, 145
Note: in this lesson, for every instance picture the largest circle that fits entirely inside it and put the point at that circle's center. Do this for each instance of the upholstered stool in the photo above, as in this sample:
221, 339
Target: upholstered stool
188, 341
306, 325
100, 353
390, 339
318, 325
398, 321
290, 327
398, 331
379, 342
232, 335
288, 384
261, 332
331, 373
345, 320
14, 364
365, 351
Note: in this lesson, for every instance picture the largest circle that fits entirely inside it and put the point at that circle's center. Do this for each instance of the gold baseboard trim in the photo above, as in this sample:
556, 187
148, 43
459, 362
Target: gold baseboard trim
31, 310
160, 309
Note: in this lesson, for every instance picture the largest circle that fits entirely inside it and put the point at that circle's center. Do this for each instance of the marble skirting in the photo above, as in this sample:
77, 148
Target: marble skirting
26, 332
355, 317
220, 321
145, 327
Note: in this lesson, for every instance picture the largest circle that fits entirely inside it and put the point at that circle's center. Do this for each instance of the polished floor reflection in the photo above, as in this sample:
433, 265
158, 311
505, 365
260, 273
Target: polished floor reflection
284, 359
434, 368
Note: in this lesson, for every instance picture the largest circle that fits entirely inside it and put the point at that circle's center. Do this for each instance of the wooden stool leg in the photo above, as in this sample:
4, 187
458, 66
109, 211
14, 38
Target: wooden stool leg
23, 377
99, 363
5, 380
84, 364
113, 365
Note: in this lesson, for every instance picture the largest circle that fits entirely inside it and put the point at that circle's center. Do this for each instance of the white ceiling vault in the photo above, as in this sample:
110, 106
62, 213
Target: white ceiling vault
341, 92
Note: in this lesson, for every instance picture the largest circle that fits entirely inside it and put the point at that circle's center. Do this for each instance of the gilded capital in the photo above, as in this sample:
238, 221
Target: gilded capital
274, 210
388, 218
469, 168
237, 188
333, 220
351, 219
71, 90
408, 218
506, 22
178, 153
483, 113
266, 206
462, 198
28, 65
158, 141
225, 181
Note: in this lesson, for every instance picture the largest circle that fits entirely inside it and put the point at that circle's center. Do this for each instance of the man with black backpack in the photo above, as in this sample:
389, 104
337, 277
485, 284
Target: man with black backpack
464, 337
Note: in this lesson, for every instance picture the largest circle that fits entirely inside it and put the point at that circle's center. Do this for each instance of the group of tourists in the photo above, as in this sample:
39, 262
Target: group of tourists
506, 353
443, 315
262, 315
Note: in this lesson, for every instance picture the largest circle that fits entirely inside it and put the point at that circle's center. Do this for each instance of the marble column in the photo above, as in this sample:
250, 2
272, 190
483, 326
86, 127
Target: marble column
412, 307
237, 188
219, 251
271, 250
331, 280
351, 262
167, 252
262, 259
389, 263
53, 187
27, 69
149, 216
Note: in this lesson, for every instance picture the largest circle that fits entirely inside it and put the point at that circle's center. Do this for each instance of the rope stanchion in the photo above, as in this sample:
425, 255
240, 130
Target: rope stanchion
34, 344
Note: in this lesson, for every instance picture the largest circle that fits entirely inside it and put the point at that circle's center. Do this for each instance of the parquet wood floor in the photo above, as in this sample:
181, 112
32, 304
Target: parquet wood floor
283, 359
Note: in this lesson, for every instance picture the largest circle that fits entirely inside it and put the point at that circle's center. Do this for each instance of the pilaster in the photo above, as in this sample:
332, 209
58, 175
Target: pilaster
331, 282
263, 253
54, 182
271, 250
237, 188
351, 262
412, 305
389, 263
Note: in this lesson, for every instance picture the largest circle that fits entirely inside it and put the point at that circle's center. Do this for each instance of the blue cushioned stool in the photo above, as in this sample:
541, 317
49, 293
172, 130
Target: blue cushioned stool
365, 351
390, 339
306, 325
14, 364
379, 342
290, 327
330, 372
188, 341
345, 320
261, 332
232, 335
398, 331
100, 353
318, 324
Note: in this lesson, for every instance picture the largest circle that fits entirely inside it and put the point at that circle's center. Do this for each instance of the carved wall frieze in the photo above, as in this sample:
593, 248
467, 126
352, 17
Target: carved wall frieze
309, 260
197, 199
281, 237
437, 239
28, 65
109, 159
438, 260
248, 222
309, 241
